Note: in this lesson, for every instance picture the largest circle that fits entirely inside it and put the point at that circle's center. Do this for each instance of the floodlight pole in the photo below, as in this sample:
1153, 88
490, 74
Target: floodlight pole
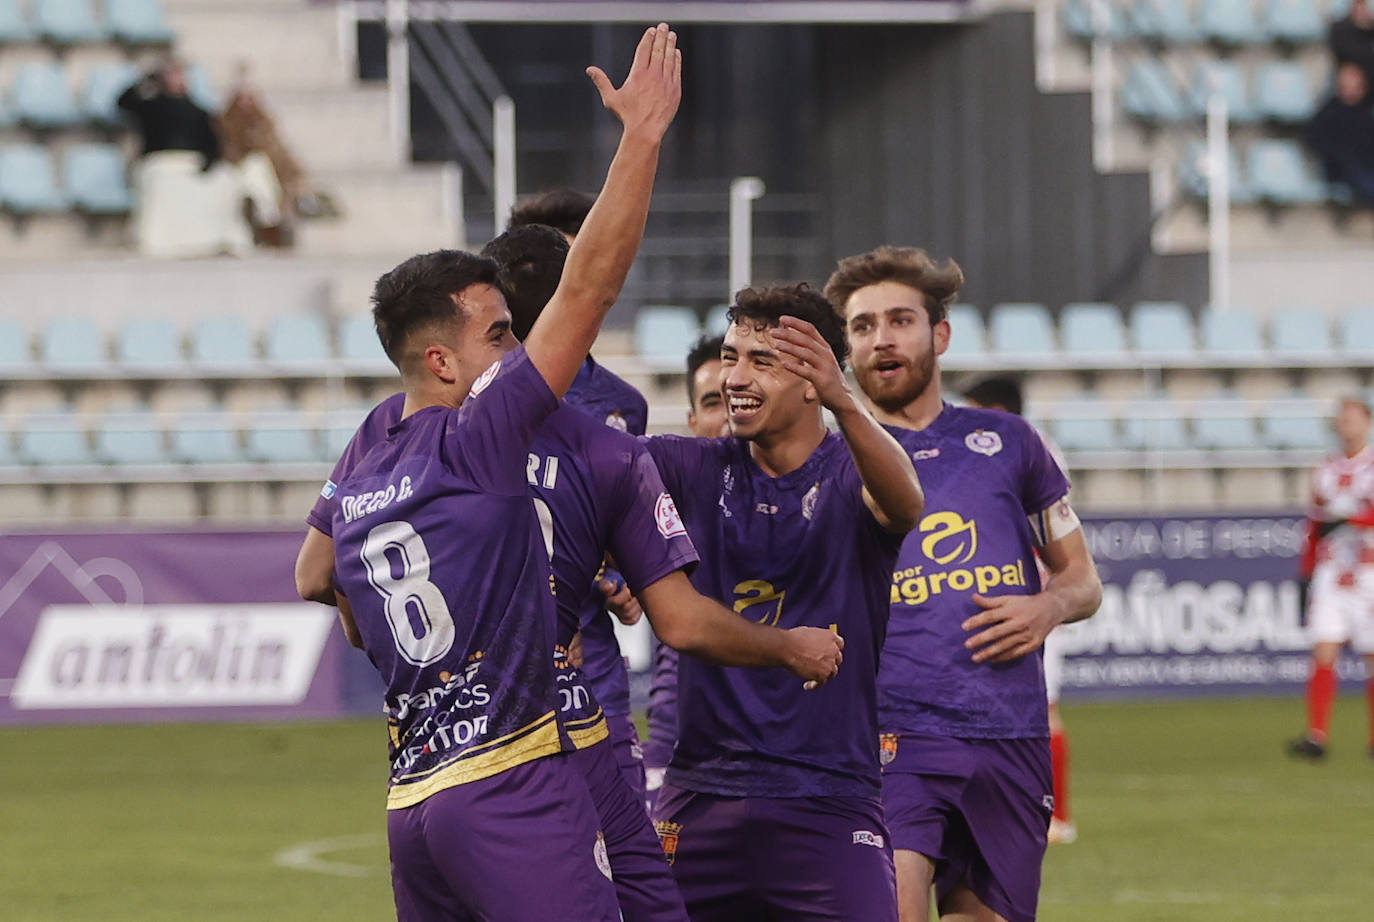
1218, 198
398, 75
503, 159
1103, 87
743, 191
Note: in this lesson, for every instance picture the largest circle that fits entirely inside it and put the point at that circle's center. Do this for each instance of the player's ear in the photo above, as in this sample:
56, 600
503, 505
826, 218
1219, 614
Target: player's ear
441, 362
940, 334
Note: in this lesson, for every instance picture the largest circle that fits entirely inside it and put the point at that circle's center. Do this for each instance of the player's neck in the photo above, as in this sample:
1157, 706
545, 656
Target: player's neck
784, 452
420, 398
1352, 449
917, 414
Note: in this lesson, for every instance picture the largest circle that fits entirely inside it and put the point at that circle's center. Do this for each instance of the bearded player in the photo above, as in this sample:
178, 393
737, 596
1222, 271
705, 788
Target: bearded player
961, 691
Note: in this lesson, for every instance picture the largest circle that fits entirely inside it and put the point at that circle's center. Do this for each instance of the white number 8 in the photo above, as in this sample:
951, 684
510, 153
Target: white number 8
412, 589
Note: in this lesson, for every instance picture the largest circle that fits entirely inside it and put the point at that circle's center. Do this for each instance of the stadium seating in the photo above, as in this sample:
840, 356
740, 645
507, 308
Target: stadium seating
1356, 338
205, 438
138, 22
717, 321
54, 440
1080, 21
14, 348
1230, 22
1294, 21
1092, 331
1021, 331
1224, 424
358, 342
101, 90
94, 180
1151, 94
148, 343
68, 22
202, 90
1280, 174
1092, 429
14, 26
1192, 172
28, 183
281, 444
1283, 92
1161, 330
42, 98
297, 339
967, 336
223, 342
663, 335
1293, 429
1232, 334
1165, 21
1300, 334
130, 437
72, 345
1155, 433
1227, 78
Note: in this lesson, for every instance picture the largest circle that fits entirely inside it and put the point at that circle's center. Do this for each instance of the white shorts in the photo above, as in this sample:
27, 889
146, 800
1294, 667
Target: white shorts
1054, 665
1341, 614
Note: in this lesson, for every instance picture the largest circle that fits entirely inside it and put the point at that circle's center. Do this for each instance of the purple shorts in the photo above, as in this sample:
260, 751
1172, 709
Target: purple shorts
792, 858
629, 754
471, 852
979, 809
644, 883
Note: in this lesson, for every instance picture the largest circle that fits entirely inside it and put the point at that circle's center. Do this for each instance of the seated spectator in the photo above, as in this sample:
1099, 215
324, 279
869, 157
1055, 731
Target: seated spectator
1342, 133
1352, 39
167, 117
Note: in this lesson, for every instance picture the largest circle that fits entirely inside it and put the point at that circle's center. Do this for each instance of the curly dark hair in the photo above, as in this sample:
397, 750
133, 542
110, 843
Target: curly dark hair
531, 259
939, 282
768, 305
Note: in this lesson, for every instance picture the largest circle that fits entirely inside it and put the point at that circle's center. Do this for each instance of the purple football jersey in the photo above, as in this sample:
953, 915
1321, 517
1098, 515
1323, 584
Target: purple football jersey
800, 549
984, 472
662, 717
440, 552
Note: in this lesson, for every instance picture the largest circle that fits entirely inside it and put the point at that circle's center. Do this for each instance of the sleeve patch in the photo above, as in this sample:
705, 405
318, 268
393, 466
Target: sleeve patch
666, 516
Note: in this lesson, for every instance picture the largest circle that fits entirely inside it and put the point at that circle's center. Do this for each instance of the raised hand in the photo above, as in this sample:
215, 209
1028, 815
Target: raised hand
649, 97
814, 654
806, 353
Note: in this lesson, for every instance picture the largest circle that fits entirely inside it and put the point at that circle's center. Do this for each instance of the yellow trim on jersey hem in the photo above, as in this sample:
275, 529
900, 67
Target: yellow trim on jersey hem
534, 741
586, 737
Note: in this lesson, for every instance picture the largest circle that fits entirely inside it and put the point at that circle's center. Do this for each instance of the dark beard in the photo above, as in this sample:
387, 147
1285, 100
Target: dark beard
904, 390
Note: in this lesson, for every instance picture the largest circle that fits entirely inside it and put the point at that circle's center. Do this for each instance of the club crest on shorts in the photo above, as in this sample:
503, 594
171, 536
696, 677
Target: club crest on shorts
984, 442
1048, 803
809, 501
887, 748
668, 837
867, 837
603, 860
666, 515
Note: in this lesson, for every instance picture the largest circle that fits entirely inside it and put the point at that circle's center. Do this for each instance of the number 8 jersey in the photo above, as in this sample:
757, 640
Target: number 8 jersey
439, 551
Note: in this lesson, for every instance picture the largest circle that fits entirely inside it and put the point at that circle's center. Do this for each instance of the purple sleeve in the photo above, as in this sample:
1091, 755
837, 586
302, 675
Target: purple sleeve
373, 429
647, 537
662, 717
684, 464
495, 428
1042, 482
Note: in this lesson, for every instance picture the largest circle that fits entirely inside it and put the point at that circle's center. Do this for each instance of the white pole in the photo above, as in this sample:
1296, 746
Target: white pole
502, 159
1218, 198
347, 23
743, 191
1103, 86
398, 76
451, 186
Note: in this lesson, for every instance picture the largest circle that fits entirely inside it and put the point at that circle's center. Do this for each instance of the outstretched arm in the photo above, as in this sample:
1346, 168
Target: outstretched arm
892, 491
691, 623
606, 245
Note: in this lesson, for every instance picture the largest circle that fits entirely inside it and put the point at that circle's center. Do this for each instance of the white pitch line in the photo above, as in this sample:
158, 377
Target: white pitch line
306, 855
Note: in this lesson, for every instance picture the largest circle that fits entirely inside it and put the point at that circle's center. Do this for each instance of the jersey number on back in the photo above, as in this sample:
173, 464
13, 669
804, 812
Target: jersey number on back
415, 608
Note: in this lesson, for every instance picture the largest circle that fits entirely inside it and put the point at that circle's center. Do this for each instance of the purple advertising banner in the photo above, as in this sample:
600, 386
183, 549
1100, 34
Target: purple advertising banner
1198, 605
153, 626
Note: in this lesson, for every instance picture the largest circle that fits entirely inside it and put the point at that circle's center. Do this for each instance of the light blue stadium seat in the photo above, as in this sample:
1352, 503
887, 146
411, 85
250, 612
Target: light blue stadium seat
1285, 428
1167, 21
1222, 423
1092, 331
340, 428
1086, 430
14, 27
297, 338
202, 91
94, 179
1155, 434
1161, 329
222, 341
42, 97
101, 90
281, 445
967, 335
358, 340
1280, 173
9, 457
1020, 329
205, 439
1296, 22
148, 342
14, 348
28, 182
138, 22
1231, 82
68, 22
1081, 22
72, 344
717, 321
8, 118
130, 438
1283, 93
1355, 334
1151, 93
1300, 332
54, 440
1230, 22
1192, 172
663, 335
1233, 333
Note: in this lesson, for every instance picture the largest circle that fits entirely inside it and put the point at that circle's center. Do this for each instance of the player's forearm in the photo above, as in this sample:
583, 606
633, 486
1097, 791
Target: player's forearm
1075, 592
884, 467
701, 627
349, 625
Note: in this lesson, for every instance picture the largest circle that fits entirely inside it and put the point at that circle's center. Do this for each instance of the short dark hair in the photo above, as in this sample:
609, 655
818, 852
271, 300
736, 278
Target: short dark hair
420, 293
562, 209
997, 392
530, 260
938, 282
768, 305
703, 351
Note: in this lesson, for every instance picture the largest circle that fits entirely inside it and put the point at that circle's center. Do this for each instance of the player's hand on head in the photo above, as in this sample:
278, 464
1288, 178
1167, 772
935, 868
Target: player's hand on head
814, 655
1008, 628
620, 602
648, 99
806, 353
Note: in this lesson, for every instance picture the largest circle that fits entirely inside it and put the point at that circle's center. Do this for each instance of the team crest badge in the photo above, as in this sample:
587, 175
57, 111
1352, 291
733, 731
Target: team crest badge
809, 501
617, 422
984, 442
668, 838
666, 515
603, 860
887, 748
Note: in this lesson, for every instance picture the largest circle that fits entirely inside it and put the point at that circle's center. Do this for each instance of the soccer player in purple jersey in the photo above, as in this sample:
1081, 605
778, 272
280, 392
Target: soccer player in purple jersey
771, 809
440, 555
706, 419
961, 692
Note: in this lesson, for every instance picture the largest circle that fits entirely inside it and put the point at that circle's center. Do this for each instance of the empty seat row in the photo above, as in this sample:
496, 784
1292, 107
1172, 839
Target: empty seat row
1219, 426
73, 22
1224, 22
42, 96
93, 180
1274, 171
154, 345
1158, 332
1277, 91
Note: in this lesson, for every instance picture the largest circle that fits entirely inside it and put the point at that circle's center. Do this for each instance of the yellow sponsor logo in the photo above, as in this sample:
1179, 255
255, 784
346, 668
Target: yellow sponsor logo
913, 586
752, 593
949, 537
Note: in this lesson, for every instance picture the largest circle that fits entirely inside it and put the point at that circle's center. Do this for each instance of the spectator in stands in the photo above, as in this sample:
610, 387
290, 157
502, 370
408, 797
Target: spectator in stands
1352, 39
167, 117
1342, 133
564, 209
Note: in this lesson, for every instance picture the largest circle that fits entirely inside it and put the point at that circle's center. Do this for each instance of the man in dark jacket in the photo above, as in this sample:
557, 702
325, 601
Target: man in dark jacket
1352, 38
1342, 133
167, 117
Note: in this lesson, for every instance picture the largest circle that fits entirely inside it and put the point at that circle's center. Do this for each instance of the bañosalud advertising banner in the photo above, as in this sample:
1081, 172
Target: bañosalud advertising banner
1191, 606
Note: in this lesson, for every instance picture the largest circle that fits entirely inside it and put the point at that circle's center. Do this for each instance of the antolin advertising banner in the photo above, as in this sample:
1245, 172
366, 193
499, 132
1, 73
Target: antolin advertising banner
1193, 605
145, 626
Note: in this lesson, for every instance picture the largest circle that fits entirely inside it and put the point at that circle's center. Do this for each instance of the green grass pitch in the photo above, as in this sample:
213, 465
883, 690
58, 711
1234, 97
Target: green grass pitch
1186, 811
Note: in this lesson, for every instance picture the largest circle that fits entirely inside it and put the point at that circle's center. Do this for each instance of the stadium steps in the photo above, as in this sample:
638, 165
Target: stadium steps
297, 50
407, 205
336, 129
